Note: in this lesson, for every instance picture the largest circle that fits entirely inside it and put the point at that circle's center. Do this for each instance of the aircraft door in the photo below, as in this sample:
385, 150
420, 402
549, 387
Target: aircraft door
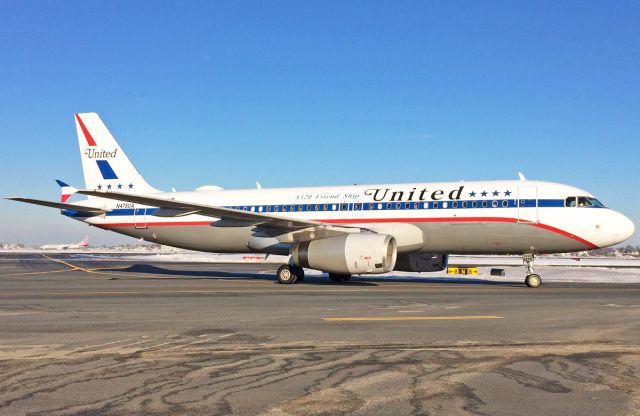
140, 218
528, 204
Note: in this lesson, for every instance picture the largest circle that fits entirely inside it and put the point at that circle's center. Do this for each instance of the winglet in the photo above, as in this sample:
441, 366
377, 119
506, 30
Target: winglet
258, 186
65, 190
521, 176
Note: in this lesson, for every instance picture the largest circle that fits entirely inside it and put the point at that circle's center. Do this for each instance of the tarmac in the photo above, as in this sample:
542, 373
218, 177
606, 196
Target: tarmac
86, 335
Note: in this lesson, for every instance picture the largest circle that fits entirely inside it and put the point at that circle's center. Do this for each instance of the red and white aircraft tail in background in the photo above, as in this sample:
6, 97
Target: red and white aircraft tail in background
342, 230
81, 245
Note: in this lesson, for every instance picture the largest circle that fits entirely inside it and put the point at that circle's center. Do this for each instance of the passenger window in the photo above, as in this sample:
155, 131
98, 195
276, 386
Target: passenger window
435, 205
398, 205
464, 204
370, 207
474, 204
484, 204
276, 208
357, 206
505, 203
325, 207
284, 208
268, 208
343, 207
455, 204
494, 204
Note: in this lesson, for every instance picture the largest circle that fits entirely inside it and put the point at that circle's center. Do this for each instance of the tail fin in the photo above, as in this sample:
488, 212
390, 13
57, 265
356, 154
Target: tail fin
84, 242
105, 165
65, 190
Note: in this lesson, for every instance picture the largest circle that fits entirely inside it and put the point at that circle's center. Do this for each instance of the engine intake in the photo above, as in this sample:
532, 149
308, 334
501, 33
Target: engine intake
348, 254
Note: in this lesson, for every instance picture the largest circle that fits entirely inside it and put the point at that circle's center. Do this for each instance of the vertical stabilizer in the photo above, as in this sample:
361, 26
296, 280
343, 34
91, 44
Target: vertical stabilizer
105, 165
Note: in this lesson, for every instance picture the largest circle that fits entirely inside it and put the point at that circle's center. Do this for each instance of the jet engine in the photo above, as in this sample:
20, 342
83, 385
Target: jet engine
421, 262
348, 254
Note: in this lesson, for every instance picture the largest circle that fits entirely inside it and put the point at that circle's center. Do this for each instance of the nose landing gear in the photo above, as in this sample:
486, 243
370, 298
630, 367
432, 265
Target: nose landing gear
532, 280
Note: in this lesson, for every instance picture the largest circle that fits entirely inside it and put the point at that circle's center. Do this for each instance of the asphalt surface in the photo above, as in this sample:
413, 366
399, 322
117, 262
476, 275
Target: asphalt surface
127, 338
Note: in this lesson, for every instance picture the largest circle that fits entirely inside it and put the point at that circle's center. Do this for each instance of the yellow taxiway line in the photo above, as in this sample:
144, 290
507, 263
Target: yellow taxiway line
411, 318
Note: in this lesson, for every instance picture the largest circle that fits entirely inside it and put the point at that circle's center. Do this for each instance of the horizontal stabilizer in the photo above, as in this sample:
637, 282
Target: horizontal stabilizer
60, 205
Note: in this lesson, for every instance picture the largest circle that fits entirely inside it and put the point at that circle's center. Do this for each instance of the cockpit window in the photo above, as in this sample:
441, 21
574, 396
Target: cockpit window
582, 202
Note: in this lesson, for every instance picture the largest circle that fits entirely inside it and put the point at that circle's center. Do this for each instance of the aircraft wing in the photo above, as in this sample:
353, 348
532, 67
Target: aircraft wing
60, 205
232, 216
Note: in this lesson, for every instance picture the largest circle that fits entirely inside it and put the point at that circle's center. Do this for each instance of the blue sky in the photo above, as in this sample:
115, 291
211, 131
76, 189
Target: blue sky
313, 93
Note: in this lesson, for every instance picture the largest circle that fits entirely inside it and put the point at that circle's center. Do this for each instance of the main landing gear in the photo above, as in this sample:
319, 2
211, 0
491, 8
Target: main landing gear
288, 274
532, 280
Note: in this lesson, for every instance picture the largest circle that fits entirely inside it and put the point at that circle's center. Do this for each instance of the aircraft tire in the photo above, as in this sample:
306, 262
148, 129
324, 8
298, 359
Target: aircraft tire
533, 280
299, 272
286, 275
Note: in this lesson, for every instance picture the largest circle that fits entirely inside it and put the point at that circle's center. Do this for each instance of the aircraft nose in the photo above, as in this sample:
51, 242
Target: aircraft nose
622, 228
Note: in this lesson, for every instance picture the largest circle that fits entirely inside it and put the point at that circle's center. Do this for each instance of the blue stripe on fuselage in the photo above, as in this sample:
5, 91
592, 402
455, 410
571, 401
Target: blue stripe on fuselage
369, 206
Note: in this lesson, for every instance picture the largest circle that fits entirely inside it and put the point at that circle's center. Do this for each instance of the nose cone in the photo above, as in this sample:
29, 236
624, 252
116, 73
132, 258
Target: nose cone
622, 228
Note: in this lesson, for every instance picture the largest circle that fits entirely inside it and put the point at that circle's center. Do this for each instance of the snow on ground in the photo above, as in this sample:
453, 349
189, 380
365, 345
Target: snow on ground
551, 268
196, 257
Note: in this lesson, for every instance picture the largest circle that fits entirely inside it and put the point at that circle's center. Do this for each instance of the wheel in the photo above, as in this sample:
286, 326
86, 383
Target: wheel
286, 275
533, 280
337, 277
299, 272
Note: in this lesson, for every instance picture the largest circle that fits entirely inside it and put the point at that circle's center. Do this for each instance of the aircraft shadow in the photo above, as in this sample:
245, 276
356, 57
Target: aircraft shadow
309, 279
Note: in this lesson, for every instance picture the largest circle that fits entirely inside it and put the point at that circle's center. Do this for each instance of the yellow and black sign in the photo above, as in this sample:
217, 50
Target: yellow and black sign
462, 270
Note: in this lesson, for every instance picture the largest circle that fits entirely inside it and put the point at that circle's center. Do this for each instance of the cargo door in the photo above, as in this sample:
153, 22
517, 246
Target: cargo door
528, 204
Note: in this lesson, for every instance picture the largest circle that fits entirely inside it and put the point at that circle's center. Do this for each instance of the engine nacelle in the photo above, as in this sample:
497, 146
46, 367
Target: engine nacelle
348, 254
422, 262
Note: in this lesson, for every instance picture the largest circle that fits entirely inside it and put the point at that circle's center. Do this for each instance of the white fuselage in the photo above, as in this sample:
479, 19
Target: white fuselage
453, 217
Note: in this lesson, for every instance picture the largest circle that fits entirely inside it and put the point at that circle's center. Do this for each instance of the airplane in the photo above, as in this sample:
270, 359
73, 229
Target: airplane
340, 230
82, 244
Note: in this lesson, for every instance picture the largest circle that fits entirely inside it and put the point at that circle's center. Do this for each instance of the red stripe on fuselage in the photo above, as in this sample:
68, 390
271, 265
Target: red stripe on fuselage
464, 219
86, 133
566, 234
154, 224
387, 220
